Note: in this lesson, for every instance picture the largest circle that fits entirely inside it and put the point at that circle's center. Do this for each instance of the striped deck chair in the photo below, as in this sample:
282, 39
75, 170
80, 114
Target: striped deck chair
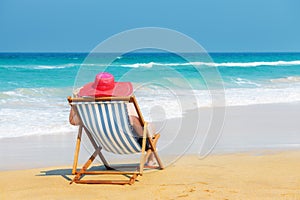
106, 123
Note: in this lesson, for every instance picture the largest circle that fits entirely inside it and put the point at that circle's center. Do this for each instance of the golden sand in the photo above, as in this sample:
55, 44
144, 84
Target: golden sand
267, 175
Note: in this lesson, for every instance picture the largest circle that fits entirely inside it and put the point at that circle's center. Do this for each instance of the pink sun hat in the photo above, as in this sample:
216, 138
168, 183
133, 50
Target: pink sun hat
105, 86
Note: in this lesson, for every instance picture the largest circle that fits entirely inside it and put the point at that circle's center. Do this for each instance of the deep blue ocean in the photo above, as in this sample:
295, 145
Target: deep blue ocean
34, 86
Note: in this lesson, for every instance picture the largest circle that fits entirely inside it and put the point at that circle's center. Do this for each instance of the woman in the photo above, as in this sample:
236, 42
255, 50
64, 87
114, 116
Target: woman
105, 86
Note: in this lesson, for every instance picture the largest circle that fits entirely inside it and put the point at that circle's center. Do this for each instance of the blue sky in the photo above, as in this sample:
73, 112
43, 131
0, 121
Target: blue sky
218, 25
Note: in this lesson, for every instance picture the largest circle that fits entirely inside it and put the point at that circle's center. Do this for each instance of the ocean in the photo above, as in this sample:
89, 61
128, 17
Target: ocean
34, 86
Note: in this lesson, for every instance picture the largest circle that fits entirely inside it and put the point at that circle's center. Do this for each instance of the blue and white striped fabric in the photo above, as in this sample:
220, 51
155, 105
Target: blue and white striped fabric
109, 124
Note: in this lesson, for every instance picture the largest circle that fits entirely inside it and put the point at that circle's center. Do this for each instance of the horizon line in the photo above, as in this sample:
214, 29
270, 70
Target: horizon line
82, 52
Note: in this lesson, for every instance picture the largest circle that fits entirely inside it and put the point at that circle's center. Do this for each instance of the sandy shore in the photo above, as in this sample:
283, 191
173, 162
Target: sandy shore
268, 169
256, 175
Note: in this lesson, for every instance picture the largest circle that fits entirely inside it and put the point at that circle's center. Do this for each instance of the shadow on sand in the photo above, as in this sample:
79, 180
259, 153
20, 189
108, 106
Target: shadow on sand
65, 173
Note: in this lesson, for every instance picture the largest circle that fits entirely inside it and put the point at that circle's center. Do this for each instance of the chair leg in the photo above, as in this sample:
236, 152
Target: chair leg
132, 179
77, 149
85, 166
152, 142
83, 171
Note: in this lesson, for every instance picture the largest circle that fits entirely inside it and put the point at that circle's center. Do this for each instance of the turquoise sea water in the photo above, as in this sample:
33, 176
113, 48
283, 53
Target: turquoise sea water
34, 86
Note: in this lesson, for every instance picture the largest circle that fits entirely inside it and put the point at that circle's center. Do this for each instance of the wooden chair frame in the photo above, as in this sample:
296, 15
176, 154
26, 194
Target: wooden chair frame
109, 169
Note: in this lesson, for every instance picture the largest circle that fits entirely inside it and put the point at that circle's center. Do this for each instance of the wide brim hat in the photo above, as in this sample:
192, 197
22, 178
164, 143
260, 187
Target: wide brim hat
105, 86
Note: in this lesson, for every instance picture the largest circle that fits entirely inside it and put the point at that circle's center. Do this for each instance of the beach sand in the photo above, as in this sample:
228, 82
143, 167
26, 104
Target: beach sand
263, 175
257, 157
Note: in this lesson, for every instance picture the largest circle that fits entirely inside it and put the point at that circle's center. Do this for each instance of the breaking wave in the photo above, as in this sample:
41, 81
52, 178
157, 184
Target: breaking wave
212, 64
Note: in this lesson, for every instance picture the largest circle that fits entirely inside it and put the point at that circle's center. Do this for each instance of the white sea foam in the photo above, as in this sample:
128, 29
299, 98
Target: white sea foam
61, 66
33, 111
136, 65
54, 66
176, 103
251, 96
213, 64
20, 121
253, 64
45, 110
233, 97
244, 82
151, 64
